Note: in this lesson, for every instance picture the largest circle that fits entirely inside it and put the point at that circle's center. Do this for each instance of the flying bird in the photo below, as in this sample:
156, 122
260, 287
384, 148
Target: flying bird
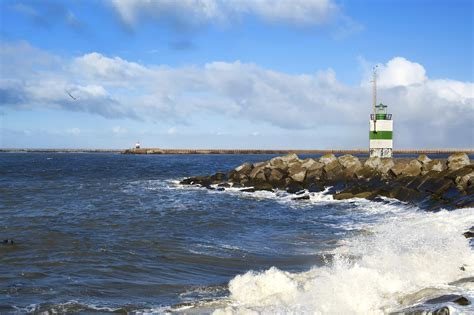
74, 98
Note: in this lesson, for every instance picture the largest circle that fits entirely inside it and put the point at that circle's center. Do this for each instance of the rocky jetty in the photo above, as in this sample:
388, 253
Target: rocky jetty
430, 184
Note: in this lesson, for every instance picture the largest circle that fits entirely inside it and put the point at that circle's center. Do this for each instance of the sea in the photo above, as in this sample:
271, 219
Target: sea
101, 233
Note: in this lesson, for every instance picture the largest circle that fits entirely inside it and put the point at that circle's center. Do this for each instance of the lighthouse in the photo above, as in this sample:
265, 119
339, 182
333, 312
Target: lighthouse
381, 127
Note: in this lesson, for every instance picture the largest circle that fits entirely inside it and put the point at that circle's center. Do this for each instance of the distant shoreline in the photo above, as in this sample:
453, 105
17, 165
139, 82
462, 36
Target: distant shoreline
230, 151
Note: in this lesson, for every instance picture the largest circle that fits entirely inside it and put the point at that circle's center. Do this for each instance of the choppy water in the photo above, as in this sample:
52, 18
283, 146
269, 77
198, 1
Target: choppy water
108, 232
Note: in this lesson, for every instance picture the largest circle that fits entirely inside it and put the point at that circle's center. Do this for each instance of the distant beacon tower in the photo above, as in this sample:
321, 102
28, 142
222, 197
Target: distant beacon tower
381, 127
137, 145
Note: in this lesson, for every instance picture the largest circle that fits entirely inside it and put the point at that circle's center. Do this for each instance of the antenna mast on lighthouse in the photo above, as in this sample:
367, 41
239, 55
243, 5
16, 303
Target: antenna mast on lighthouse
374, 89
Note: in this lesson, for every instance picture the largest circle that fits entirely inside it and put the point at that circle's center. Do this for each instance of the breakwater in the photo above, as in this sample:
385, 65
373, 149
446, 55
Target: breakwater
430, 184
286, 151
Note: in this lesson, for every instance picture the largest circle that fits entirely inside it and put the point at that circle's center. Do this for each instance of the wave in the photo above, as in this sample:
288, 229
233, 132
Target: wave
404, 261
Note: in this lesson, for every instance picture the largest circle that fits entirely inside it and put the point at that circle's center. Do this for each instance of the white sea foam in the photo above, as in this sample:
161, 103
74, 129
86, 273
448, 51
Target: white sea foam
406, 259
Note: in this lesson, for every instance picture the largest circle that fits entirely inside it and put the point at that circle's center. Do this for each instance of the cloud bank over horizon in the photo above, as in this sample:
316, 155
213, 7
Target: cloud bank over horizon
427, 112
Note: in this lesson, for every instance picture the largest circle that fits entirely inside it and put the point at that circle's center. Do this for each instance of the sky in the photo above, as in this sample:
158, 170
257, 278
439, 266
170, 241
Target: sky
266, 74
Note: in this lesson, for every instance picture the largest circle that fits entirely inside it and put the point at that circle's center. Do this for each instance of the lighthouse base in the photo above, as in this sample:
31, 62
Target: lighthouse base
381, 152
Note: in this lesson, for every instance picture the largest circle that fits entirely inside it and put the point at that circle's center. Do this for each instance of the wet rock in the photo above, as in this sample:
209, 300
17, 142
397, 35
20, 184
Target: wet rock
454, 298
301, 197
263, 186
327, 158
457, 161
220, 188
218, 177
249, 190
343, 196
463, 181
364, 172
364, 195
313, 187
8, 242
470, 233
293, 188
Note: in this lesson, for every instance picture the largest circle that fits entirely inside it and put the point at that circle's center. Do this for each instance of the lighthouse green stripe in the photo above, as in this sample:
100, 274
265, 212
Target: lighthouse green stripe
381, 135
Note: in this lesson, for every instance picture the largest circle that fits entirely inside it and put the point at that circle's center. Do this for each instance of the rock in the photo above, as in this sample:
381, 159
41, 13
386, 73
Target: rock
297, 173
364, 195
378, 164
302, 197
314, 172
224, 185
313, 187
290, 157
364, 172
8, 242
333, 171
463, 181
308, 163
343, 196
412, 169
470, 233
397, 169
349, 161
454, 298
220, 188
244, 168
218, 177
423, 159
204, 181
263, 186
457, 161
249, 190
293, 188
327, 158
276, 175
257, 172
433, 165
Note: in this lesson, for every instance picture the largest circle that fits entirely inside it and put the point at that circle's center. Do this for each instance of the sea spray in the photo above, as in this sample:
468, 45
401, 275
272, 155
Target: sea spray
371, 273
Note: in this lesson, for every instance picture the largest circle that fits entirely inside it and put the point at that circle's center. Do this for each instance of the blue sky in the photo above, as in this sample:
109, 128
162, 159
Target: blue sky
234, 74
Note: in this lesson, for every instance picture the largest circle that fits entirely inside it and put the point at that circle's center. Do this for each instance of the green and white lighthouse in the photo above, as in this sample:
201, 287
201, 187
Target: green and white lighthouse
381, 128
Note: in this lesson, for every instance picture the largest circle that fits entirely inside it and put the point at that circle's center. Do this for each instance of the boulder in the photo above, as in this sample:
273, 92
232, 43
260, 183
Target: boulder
297, 173
276, 175
423, 159
412, 169
373, 162
397, 169
327, 158
333, 171
244, 168
343, 196
457, 161
433, 165
364, 172
314, 172
293, 188
263, 186
289, 158
462, 182
349, 161
380, 165
308, 163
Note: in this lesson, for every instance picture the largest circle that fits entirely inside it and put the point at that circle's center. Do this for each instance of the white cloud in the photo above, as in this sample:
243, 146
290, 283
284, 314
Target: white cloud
400, 72
426, 111
194, 12
172, 131
119, 130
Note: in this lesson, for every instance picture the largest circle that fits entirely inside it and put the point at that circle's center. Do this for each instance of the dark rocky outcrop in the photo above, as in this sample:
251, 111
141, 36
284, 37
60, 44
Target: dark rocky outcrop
431, 184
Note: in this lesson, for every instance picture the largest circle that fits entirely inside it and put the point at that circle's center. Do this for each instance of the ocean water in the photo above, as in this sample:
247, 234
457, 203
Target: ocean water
98, 233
